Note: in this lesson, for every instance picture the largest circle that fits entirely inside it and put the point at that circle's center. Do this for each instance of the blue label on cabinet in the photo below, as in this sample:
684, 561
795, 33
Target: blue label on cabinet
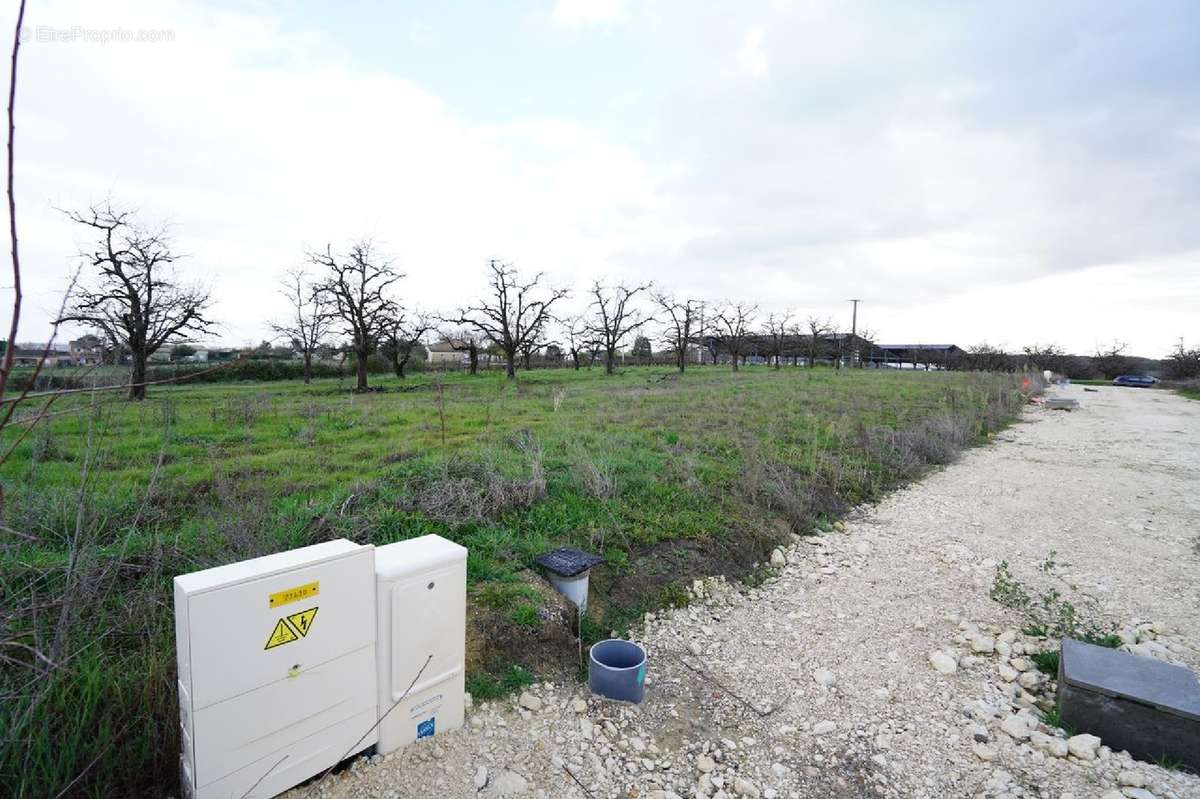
425, 728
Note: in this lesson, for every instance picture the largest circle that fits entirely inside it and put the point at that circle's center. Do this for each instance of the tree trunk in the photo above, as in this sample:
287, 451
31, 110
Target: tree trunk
510, 365
575, 359
735, 360
137, 375
610, 356
360, 368
681, 359
473, 359
307, 367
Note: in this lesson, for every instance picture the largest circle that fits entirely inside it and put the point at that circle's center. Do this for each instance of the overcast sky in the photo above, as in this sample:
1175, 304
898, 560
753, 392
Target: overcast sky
1011, 172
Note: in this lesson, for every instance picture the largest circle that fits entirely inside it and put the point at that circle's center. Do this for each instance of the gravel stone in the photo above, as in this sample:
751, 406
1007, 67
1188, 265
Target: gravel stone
943, 662
1084, 747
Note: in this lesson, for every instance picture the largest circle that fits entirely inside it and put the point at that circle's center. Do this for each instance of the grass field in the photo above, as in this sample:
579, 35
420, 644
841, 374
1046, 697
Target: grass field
668, 477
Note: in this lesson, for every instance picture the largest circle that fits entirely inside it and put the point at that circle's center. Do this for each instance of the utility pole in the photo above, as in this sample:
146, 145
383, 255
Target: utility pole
854, 332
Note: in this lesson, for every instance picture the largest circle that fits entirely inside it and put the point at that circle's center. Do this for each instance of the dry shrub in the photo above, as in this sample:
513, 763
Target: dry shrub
245, 410
596, 479
44, 445
241, 517
904, 453
480, 494
783, 491
474, 492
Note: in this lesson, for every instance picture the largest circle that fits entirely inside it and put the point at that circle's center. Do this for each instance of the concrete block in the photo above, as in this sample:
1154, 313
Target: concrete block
1145, 706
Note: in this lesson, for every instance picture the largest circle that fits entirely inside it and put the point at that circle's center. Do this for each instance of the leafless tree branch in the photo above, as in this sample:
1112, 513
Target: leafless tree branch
513, 314
614, 317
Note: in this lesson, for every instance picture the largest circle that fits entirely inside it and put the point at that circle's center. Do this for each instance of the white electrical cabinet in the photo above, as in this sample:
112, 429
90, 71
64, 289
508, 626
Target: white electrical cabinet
421, 604
276, 668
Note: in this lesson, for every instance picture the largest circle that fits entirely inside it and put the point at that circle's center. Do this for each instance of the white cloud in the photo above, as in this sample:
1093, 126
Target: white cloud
751, 57
255, 158
577, 13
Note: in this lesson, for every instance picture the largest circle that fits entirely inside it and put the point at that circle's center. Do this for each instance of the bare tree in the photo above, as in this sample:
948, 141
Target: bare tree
575, 329
533, 342
614, 318
868, 336
683, 324
778, 329
135, 297
1182, 363
402, 336
310, 319
814, 332
733, 321
10, 349
1112, 361
982, 357
513, 314
356, 286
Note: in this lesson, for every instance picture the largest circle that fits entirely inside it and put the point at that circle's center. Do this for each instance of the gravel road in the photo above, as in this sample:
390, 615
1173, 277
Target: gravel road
875, 664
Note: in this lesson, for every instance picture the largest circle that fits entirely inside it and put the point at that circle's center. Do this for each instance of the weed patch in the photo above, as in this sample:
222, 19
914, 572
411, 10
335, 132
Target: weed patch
1047, 613
483, 686
1053, 718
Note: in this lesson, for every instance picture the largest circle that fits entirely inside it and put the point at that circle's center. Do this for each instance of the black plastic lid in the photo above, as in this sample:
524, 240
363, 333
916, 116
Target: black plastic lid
567, 562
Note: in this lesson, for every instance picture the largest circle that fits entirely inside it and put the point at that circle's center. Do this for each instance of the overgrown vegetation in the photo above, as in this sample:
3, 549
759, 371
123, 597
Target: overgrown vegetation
668, 476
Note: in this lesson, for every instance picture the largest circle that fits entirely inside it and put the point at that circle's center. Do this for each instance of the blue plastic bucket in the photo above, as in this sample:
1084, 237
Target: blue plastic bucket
617, 670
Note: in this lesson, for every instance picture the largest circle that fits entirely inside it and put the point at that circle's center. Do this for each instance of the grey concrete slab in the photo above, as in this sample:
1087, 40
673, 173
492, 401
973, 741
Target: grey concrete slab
1170, 688
1149, 708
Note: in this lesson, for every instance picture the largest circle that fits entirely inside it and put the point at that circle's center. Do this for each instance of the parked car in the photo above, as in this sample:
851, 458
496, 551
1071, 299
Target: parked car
1137, 381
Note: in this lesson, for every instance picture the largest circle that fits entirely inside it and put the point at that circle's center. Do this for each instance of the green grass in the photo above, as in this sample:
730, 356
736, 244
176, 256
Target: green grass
483, 686
1046, 662
668, 477
1171, 764
1053, 718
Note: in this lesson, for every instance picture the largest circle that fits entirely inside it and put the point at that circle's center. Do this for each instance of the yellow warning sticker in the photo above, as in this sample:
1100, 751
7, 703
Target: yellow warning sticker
294, 594
282, 634
302, 621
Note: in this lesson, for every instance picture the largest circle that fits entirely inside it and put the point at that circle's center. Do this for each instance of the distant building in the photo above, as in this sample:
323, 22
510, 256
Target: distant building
448, 351
927, 356
31, 354
208, 356
87, 350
